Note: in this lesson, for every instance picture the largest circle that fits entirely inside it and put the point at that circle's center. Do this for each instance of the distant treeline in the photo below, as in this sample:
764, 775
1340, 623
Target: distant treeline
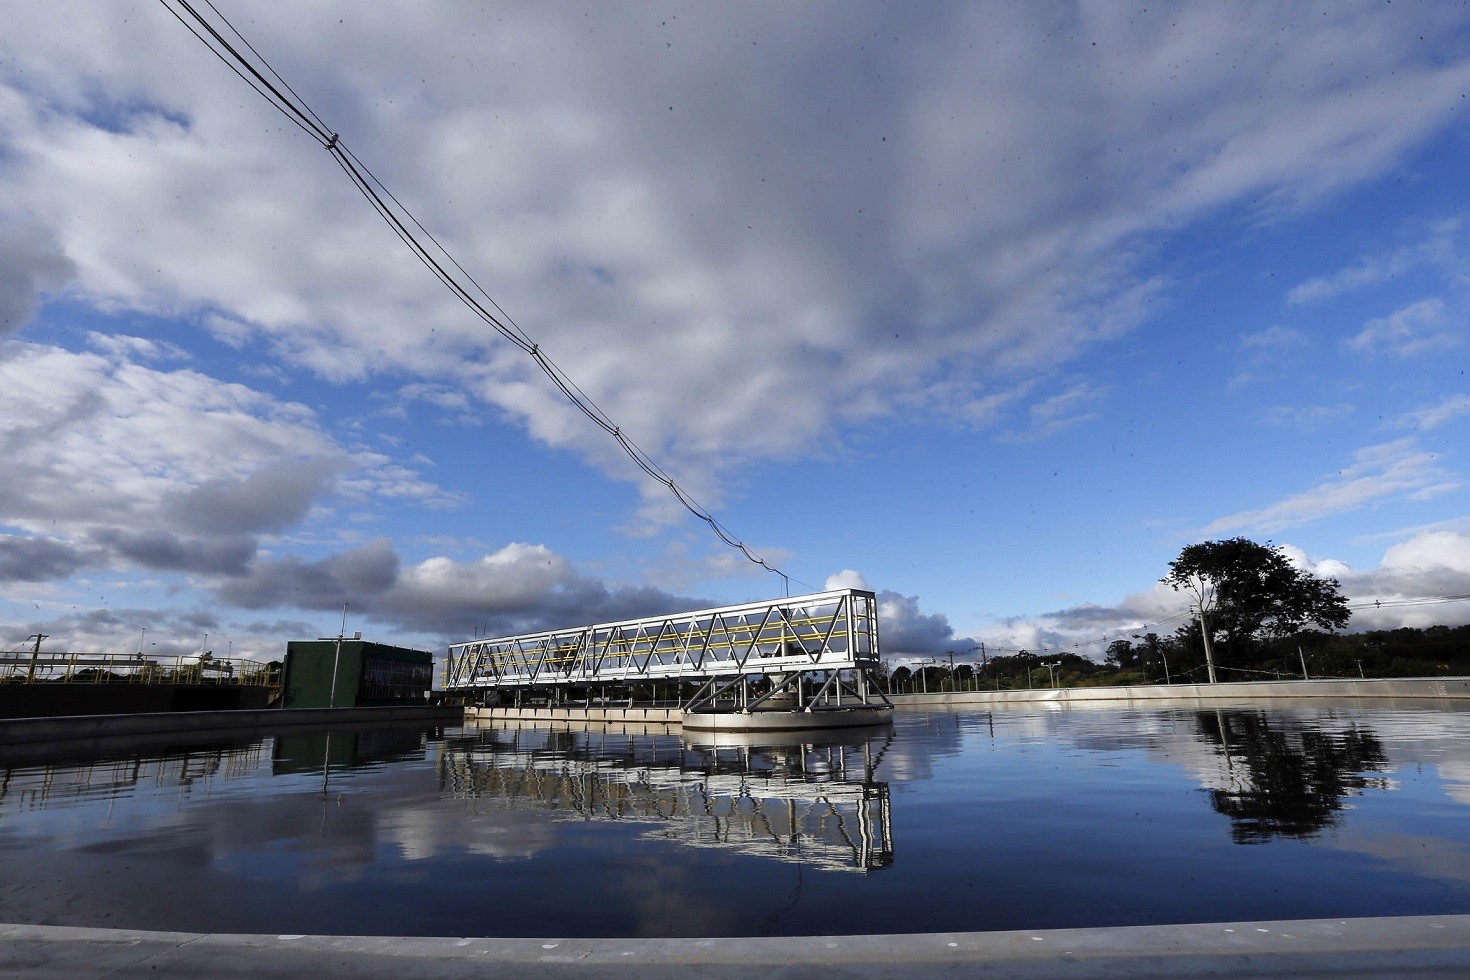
1153, 659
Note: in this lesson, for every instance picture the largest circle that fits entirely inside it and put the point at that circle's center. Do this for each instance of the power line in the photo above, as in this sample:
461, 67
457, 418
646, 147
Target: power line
257, 72
1428, 600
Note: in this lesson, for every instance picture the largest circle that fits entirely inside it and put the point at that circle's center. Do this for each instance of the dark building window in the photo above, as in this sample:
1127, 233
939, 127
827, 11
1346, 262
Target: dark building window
384, 679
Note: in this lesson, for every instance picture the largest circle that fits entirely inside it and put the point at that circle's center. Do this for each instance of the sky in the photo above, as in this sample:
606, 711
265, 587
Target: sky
988, 307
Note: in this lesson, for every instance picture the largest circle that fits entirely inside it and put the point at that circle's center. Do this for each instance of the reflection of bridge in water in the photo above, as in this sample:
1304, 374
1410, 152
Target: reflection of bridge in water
810, 800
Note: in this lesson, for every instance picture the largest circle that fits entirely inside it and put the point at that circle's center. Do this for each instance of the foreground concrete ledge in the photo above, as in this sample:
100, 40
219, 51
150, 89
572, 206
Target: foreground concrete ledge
1434, 945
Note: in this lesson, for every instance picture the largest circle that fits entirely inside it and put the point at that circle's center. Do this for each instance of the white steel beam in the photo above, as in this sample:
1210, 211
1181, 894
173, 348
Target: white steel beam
835, 630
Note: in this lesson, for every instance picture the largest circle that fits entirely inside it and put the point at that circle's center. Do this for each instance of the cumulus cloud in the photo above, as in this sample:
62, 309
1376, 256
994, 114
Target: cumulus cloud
24, 559
516, 589
626, 201
906, 631
161, 550
32, 262
846, 579
1430, 565
738, 207
111, 463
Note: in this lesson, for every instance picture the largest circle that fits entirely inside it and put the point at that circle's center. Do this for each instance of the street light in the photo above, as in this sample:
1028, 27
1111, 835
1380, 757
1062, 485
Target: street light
142, 632
1162, 656
336, 659
1051, 669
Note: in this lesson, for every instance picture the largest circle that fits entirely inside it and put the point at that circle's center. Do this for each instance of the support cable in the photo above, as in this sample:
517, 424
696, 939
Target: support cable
257, 72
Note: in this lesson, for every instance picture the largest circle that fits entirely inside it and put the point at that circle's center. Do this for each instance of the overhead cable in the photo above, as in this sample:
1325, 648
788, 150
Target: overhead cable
256, 71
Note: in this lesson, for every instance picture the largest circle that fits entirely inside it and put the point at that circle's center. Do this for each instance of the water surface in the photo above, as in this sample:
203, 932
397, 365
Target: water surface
948, 820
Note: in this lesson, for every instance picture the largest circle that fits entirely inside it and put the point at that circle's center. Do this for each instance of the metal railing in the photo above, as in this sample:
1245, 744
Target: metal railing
130, 668
832, 631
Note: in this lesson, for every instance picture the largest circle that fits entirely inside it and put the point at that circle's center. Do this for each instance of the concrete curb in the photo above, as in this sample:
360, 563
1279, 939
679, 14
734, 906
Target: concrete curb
1372, 947
1398, 688
99, 727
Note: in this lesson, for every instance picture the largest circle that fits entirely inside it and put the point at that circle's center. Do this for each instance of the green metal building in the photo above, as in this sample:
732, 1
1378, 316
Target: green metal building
368, 674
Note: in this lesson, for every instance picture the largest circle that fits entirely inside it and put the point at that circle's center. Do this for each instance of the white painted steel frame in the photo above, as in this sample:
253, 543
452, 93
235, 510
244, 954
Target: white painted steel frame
835, 630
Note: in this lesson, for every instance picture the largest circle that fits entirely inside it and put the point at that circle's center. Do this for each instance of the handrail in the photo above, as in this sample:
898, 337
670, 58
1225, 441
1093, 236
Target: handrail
131, 668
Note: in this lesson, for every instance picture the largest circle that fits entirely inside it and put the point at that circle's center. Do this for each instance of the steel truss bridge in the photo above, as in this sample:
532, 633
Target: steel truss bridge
815, 649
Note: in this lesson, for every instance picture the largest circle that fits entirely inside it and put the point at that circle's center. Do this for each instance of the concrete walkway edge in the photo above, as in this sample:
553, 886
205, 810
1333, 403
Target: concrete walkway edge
1405, 689
1435, 945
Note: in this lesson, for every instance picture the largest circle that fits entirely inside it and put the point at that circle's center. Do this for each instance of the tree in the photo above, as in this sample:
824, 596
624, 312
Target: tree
1251, 593
1122, 655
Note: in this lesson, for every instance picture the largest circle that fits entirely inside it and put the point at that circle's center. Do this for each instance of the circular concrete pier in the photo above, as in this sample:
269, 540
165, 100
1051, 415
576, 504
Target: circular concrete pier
860, 716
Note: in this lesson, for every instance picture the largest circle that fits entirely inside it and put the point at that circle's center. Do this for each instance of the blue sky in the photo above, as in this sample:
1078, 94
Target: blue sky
991, 308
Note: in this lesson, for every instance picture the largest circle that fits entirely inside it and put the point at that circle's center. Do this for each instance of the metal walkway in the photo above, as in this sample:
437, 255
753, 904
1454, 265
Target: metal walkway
833, 633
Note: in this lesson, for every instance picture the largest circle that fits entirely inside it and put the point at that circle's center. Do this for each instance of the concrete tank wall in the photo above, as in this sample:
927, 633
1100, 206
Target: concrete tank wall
1411, 688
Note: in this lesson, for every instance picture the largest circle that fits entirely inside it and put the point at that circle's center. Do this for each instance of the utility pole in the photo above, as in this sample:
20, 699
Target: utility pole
35, 652
1204, 629
336, 658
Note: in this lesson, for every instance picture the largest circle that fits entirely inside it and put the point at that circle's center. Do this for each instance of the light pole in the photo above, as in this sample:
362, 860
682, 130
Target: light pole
1051, 669
1204, 630
142, 632
336, 659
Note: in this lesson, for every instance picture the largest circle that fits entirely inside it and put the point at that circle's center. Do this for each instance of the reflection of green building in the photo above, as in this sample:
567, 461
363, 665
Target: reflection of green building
367, 674
313, 751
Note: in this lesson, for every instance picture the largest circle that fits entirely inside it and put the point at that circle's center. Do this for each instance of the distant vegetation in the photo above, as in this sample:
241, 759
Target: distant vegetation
1431, 652
1266, 619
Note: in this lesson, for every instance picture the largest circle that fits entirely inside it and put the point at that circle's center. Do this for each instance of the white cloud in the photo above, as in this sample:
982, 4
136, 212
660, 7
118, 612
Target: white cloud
119, 464
846, 579
1434, 551
32, 263
1430, 564
515, 589
1434, 416
1440, 246
611, 196
1307, 418
1398, 469
906, 631
1416, 329
1365, 273
1072, 407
